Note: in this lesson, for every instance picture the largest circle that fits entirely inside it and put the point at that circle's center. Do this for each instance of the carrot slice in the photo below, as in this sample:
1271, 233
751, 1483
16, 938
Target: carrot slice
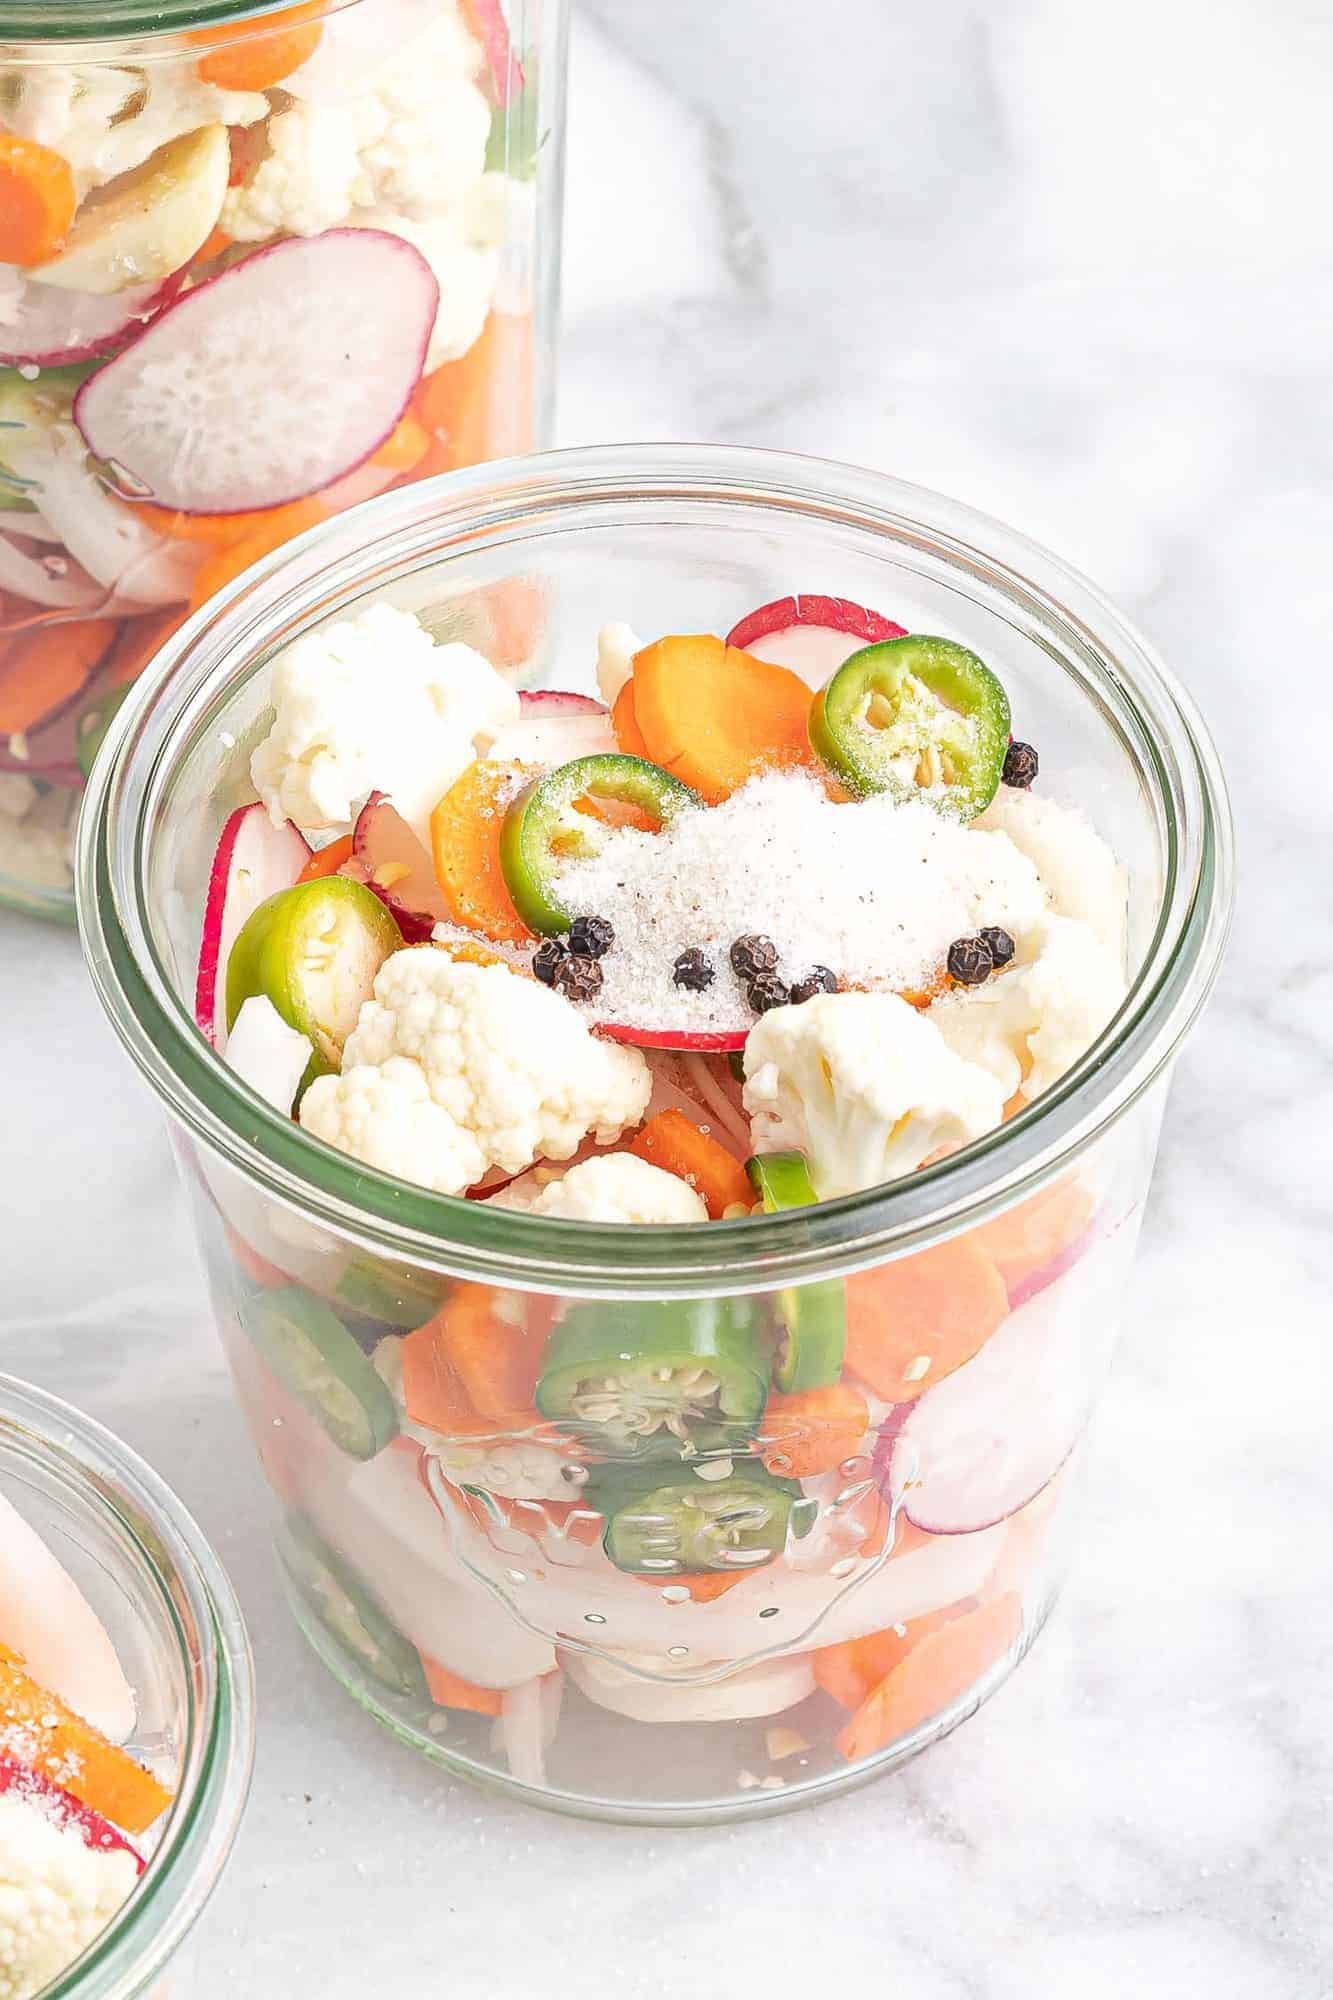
327, 860
41, 1731
141, 639
913, 1322
814, 1430
851, 1670
713, 716
38, 200
937, 1671
625, 723
223, 531
48, 668
405, 447
679, 1146
1026, 1239
468, 1369
253, 1264
515, 608
704, 1586
433, 1392
465, 842
259, 54
481, 405
448, 1690
232, 561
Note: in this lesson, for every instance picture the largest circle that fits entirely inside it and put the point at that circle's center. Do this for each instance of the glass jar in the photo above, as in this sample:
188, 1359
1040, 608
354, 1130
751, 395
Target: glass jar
256, 263
510, 1595
173, 1619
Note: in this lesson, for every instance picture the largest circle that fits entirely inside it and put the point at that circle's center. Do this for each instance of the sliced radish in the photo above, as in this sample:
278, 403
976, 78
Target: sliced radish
811, 635
270, 381
986, 1440
1073, 1253
486, 19
46, 1618
721, 1043
43, 327
107, 539
765, 1689
388, 858
94, 1831
265, 1053
254, 859
554, 727
545, 702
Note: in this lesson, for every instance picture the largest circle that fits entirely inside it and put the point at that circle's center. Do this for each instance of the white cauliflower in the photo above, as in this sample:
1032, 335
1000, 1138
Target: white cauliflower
107, 120
864, 1086
488, 1068
513, 1470
616, 646
374, 704
466, 272
609, 1187
311, 177
1028, 1025
57, 1893
1082, 876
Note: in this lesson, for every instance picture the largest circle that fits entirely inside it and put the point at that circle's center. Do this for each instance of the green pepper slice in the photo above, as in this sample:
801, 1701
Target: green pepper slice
94, 722
918, 717
314, 949
389, 1294
542, 826
663, 1379
314, 1356
670, 1521
814, 1338
350, 1611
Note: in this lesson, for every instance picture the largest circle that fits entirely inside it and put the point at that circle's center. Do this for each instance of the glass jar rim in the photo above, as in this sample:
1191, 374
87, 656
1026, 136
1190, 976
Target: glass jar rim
357, 551
38, 22
220, 1736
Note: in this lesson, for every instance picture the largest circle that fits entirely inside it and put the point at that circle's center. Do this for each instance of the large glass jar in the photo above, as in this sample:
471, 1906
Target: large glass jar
555, 1625
256, 263
171, 1615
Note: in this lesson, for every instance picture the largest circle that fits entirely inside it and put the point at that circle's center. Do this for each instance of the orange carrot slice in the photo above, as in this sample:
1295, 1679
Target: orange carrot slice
48, 668
470, 1369
253, 1264
937, 1671
405, 447
814, 1430
223, 531
1027, 1238
913, 1322
232, 561
679, 1146
63, 1747
38, 199
448, 1690
465, 842
625, 723
433, 1392
714, 716
515, 608
481, 406
327, 860
851, 1670
261, 53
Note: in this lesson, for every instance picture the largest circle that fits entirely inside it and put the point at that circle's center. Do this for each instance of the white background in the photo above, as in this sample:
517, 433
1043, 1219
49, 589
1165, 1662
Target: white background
1072, 263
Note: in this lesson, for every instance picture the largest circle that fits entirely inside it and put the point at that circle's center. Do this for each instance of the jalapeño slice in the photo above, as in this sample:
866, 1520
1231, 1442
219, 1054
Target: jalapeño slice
315, 1357
670, 1521
814, 1317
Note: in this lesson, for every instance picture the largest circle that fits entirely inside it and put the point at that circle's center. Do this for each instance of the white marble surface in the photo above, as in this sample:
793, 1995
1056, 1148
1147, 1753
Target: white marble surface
1073, 264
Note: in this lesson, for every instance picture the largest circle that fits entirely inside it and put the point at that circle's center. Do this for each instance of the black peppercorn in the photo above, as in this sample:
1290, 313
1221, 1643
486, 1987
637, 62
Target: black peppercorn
1001, 944
970, 961
752, 955
591, 937
548, 958
693, 971
766, 991
1020, 765
578, 977
817, 980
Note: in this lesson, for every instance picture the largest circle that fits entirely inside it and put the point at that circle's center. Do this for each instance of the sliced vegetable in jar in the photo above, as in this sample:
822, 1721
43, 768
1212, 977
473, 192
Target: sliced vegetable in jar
679, 1521
94, 722
347, 1606
388, 1294
313, 950
315, 1357
814, 1317
544, 824
918, 717
657, 1379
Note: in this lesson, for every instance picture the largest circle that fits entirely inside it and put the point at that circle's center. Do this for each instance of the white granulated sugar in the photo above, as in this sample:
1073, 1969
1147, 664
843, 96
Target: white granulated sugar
875, 891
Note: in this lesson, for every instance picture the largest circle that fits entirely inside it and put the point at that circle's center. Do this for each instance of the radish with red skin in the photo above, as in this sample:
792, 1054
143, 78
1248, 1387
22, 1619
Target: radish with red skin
723, 1042
47, 1620
554, 728
50, 328
391, 861
486, 19
254, 859
92, 1829
1037, 1281
812, 636
543, 702
205, 412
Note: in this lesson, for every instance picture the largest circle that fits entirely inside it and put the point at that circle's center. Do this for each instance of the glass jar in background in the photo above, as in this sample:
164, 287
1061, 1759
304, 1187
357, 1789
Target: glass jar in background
173, 1620
514, 1576
256, 264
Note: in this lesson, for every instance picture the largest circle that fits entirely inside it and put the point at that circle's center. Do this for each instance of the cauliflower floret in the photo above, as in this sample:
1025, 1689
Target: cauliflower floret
106, 120
616, 646
311, 177
466, 272
1033, 1022
384, 1114
57, 1893
509, 1068
373, 703
865, 1086
609, 1187
512, 1470
1081, 874
432, 143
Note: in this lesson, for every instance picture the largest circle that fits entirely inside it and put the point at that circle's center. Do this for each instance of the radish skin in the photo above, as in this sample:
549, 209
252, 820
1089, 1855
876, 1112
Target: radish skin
811, 635
47, 1620
254, 859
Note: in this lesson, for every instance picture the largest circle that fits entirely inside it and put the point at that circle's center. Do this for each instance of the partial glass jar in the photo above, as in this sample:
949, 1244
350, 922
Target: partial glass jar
173, 1620
541, 1510
256, 264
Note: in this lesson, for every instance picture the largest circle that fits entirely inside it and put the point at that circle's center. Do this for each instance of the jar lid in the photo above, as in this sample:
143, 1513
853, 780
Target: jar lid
38, 21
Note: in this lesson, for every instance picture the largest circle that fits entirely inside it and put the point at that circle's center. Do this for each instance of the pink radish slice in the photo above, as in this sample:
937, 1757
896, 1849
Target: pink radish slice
270, 381
987, 1439
811, 635
391, 861
254, 859
50, 328
720, 1043
61, 777
487, 20
553, 729
93, 1830
543, 702
1037, 1281
46, 1618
